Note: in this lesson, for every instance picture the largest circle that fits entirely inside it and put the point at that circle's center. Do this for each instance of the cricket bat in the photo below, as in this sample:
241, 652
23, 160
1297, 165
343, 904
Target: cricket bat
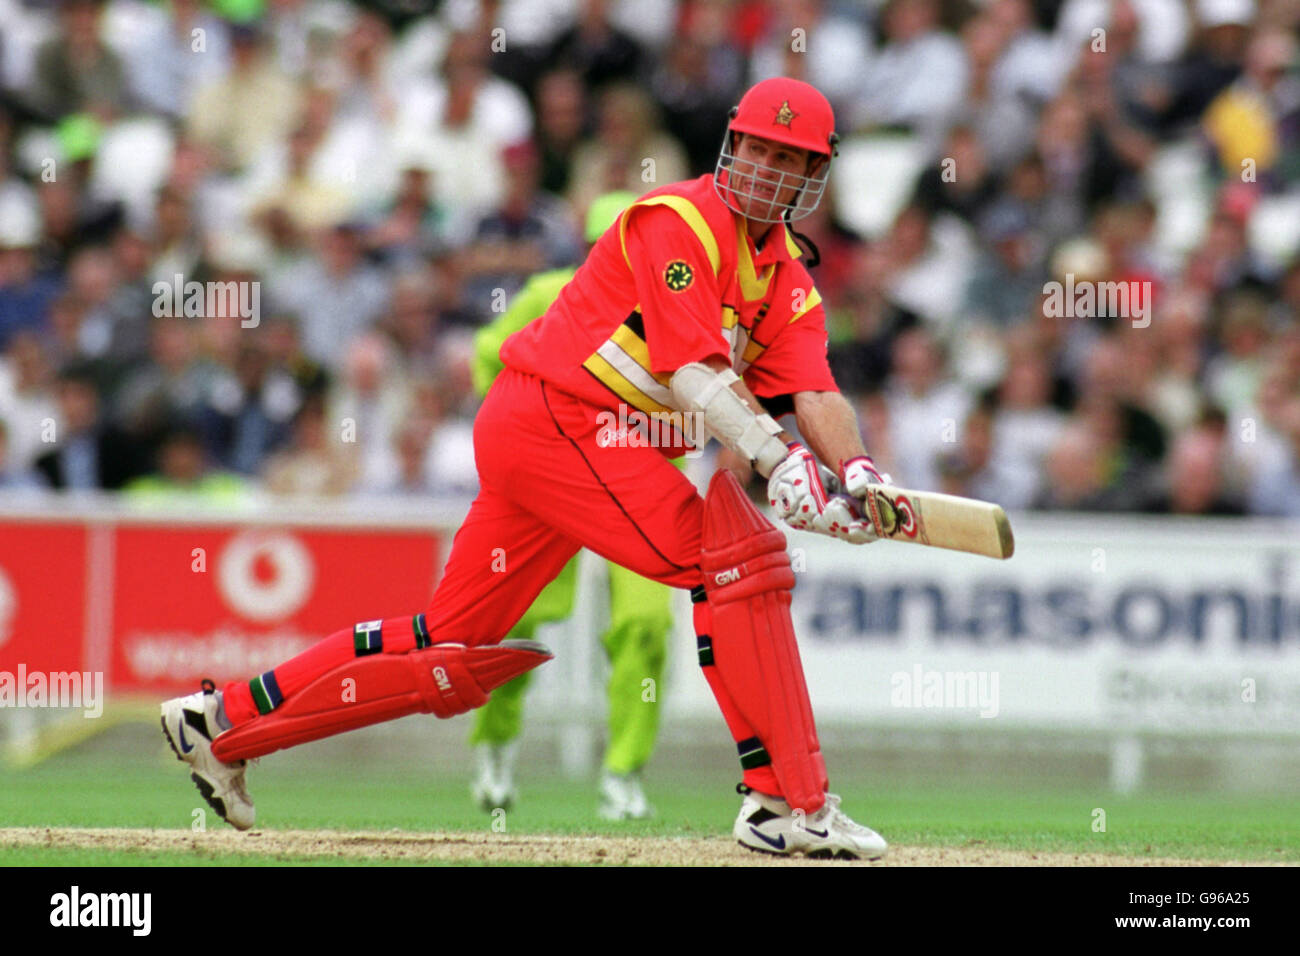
941, 521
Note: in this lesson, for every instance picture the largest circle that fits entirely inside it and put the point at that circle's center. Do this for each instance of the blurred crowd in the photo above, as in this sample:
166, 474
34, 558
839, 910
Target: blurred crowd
390, 173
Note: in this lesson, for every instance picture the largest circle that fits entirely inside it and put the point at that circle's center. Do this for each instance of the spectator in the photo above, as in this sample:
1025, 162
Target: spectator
1274, 439
411, 450
415, 224
629, 150
462, 119
831, 51
699, 78
26, 291
1025, 426
1215, 58
28, 406
315, 463
973, 470
248, 409
294, 181
184, 477
172, 53
1009, 276
1254, 124
15, 479
995, 107
963, 184
75, 71
250, 109
597, 50
413, 323
1195, 479
924, 410
1233, 378
1077, 474
561, 123
527, 233
337, 294
918, 78
91, 453
369, 404
168, 389
282, 340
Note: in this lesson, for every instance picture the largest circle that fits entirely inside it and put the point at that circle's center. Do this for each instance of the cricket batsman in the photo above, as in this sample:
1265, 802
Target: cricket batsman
640, 610
693, 308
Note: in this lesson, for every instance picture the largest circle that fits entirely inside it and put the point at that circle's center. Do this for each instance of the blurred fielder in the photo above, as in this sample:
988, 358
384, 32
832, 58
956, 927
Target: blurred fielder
640, 610
692, 317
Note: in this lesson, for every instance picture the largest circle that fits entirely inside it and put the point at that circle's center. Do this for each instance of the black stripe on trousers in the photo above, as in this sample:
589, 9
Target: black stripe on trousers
596, 475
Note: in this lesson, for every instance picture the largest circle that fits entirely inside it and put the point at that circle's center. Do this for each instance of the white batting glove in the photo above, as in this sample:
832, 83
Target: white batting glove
797, 490
859, 474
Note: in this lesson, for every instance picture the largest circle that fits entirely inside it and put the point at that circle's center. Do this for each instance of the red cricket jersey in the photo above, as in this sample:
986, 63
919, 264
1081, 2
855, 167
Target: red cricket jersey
677, 279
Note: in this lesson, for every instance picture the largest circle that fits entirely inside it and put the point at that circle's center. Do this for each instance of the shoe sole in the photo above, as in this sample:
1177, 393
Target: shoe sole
170, 743
826, 853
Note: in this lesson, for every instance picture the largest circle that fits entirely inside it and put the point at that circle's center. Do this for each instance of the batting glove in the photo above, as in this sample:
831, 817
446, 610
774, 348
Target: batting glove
797, 490
858, 474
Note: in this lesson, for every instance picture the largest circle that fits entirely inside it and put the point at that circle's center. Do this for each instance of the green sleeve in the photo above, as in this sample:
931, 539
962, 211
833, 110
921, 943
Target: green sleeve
530, 303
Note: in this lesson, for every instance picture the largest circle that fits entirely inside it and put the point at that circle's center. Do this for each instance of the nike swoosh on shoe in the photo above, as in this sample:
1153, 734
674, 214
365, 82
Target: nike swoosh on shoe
777, 844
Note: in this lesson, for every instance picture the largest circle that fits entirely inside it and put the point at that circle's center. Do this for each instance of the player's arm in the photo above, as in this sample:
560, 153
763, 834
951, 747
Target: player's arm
795, 364
830, 427
796, 485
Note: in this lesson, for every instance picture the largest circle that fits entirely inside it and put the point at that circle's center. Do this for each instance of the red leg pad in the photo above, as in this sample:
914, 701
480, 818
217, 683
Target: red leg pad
445, 680
748, 579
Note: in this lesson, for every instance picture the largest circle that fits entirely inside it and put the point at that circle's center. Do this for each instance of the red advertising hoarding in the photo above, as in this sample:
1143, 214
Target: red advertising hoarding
229, 602
43, 596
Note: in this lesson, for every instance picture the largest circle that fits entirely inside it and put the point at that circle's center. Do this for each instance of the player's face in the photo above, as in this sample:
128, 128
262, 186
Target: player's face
763, 165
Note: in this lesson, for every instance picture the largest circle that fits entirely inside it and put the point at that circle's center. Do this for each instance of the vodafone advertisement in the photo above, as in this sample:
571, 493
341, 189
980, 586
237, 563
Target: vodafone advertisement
159, 606
227, 603
43, 589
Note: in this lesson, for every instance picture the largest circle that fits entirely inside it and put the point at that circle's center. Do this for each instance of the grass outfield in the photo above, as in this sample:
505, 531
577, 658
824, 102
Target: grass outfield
92, 787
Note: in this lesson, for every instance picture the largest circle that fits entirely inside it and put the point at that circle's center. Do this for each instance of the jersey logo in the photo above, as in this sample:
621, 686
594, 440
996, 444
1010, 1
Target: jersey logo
678, 275
784, 115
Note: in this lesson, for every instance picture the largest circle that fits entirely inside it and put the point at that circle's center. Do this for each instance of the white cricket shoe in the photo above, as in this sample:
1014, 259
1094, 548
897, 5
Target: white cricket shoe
768, 825
621, 797
190, 724
494, 787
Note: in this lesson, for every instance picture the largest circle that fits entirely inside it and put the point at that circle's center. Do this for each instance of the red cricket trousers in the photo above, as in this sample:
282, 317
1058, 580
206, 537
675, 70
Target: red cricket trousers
547, 489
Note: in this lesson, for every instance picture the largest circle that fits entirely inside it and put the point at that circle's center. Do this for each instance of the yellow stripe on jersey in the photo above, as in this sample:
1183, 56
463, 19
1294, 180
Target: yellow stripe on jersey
690, 215
813, 299
729, 318
752, 286
616, 382
791, 246
638, 351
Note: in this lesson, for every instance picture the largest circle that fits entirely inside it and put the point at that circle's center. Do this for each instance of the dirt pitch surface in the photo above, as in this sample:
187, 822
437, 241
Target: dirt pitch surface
507, 848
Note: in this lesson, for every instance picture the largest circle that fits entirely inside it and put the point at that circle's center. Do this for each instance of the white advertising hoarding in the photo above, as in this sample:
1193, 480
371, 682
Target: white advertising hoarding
1101, 622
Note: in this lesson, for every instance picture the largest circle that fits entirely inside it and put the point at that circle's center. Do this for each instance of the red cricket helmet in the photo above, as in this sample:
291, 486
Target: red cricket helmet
786, 111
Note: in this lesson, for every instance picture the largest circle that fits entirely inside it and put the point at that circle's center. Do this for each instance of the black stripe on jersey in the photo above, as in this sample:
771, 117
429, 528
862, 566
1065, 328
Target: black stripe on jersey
636, 324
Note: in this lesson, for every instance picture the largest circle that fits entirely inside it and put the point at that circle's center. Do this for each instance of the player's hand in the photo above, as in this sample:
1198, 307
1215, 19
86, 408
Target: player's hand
797, 490
859, 474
